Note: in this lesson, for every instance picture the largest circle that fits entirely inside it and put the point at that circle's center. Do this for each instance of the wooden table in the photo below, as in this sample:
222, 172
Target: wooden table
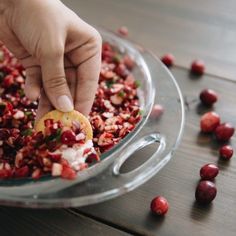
189, 29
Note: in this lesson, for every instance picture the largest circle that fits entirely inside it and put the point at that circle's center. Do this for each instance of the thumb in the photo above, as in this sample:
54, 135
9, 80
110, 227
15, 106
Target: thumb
55, 83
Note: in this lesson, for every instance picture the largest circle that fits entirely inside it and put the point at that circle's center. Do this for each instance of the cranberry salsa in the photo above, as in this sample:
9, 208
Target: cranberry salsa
60, 150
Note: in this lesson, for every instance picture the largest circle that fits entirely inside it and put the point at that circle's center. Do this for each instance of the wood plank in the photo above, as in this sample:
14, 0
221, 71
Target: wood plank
177, 181
204, 29
28, 222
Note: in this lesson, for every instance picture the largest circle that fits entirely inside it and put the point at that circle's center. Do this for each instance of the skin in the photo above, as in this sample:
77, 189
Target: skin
60, 52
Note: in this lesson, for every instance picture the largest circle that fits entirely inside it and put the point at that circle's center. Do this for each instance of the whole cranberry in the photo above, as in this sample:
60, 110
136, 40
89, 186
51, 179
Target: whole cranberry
123, 30
198, 67
205, 192
68, 137
208, 97
224, 132
226, 152
168, 59
209, 121
209, 171
159, 205
157, 111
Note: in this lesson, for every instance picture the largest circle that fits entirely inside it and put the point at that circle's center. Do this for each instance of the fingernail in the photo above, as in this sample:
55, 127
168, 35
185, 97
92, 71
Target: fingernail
64, 103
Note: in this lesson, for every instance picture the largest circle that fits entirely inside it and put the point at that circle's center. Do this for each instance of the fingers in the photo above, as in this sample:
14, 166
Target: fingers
88, 59
54, 81
33, 83
87, 80
44, 106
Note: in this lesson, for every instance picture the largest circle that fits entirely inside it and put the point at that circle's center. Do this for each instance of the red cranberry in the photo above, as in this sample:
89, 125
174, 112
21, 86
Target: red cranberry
198, 67
159, 205
168, 59
224, 132
157, 111
123, 30
205, 192
68, 137
22, 172
208, 97
226, 152
68, 173
209, 122
209, 171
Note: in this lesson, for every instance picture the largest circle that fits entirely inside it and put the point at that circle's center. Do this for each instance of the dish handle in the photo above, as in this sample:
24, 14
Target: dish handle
146, 170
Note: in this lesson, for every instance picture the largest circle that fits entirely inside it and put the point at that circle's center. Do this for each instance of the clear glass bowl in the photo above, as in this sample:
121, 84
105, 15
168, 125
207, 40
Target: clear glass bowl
103, 180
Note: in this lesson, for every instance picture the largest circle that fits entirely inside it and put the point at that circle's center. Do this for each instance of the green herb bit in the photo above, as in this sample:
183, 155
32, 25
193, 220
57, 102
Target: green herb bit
137, 83
27, 132
121, 94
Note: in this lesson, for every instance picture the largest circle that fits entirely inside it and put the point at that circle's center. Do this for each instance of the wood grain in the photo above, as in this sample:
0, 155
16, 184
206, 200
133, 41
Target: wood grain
26, 222
177, 181
189, 29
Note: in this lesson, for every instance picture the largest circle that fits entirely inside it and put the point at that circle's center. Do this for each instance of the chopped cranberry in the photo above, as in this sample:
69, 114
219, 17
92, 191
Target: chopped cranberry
198, 67
159, 206
168, 59
123, 30
226, 152
208, 97
36, 174
209, 171
22, 172
68, 137
68, 173
224, 132
5, 174
205, 192
92, 157
209, 122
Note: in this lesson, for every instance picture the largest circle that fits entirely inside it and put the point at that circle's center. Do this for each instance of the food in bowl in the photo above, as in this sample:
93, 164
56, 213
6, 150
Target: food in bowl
26, 152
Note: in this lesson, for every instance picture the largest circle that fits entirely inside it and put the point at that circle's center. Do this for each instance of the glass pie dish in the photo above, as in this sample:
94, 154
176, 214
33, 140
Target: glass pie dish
104, 179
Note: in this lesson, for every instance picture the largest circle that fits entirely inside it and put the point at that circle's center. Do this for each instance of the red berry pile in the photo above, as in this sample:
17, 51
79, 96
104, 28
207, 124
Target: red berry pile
26, 153
210, 122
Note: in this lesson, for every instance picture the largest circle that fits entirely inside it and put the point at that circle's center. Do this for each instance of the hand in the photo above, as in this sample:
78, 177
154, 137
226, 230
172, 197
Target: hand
60, 52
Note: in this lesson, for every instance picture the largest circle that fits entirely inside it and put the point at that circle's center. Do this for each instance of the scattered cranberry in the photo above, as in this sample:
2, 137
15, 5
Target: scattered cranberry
168, 59
224, 132
208, 97
209, 122
205, 192
159, 206
226, 152
209, 172
198, 67
123, 30
157, 111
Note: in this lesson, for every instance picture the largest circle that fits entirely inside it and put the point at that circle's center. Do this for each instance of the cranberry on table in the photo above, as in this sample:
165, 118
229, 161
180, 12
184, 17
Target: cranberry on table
168, 59
208, 97
209, 122
159, 206
209, 172
224, 132
205, 192
123, 30
157, 111
198, 67
226, 152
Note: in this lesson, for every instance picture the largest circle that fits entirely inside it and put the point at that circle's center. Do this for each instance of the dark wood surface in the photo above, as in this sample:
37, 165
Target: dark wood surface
189, 29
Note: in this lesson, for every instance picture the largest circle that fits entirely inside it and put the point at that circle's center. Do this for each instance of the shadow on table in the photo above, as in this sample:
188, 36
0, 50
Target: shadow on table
200, 212
153, 222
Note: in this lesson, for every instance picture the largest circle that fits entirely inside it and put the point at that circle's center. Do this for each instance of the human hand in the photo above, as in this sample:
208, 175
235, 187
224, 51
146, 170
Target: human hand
60, 52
